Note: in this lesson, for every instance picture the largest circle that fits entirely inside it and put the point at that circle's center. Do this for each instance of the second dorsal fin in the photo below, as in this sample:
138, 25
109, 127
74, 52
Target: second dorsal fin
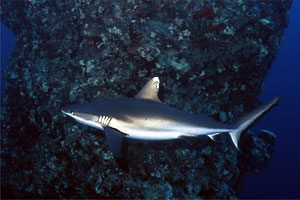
150, 90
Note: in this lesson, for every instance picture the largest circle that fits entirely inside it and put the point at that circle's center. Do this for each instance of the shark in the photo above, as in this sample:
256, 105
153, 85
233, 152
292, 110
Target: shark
145, 117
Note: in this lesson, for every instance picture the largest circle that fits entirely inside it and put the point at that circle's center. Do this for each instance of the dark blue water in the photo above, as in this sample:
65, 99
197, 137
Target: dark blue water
282, 179
7, 45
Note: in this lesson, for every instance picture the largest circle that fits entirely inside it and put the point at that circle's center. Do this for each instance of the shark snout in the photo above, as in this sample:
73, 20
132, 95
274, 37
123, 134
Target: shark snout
66, 111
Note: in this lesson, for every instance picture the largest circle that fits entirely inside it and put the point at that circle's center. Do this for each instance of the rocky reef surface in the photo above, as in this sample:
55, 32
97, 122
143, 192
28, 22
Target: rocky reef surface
211, 57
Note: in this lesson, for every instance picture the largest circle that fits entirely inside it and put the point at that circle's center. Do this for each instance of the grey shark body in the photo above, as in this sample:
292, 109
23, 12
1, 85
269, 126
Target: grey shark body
145, 117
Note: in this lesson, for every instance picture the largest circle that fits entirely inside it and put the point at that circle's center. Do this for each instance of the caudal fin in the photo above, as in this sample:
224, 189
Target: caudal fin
246, 121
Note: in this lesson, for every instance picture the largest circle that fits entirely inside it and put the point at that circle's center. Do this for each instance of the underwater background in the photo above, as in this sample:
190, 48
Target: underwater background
282, 178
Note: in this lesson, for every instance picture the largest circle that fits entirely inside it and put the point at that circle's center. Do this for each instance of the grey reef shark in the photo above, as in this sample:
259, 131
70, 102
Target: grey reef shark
145, 117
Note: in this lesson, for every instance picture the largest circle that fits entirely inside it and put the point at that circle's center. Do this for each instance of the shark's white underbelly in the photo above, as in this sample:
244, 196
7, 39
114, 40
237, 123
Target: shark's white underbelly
159, 130
153, 135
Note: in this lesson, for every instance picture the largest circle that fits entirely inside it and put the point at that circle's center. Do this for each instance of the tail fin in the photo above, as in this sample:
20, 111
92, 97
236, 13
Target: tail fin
246, 121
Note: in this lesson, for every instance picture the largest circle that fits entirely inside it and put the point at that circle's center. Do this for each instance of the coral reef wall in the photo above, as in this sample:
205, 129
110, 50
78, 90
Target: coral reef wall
211, 57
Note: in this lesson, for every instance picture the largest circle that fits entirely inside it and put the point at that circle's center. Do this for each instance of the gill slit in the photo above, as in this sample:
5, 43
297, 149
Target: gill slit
104, 120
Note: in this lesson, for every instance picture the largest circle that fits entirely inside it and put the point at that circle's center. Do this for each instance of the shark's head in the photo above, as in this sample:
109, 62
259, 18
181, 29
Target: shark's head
85, 114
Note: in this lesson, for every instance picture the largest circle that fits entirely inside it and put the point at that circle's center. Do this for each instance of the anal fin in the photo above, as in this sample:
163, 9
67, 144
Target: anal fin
212, 136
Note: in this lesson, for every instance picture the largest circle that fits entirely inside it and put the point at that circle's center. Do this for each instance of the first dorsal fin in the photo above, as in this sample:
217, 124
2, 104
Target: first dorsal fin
150, 90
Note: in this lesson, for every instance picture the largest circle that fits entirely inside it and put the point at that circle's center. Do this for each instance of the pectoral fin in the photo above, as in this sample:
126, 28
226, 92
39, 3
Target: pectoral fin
114, 140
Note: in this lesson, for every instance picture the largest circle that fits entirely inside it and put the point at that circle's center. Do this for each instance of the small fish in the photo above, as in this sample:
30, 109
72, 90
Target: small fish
145, 117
